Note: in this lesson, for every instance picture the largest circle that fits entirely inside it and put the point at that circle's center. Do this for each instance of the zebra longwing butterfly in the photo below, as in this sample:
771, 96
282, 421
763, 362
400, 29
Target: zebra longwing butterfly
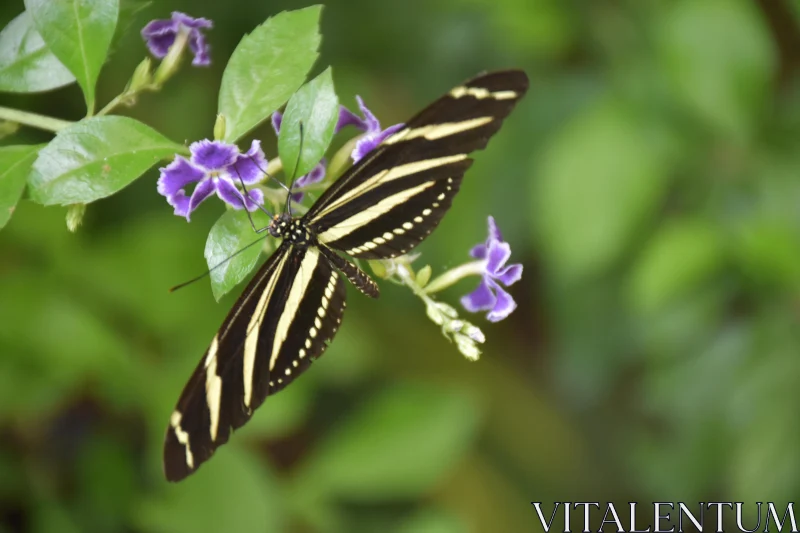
382, 207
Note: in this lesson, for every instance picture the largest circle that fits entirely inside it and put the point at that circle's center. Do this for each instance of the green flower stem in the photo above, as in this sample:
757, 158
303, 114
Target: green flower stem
112, 104
473, 268
33, 120
341, 160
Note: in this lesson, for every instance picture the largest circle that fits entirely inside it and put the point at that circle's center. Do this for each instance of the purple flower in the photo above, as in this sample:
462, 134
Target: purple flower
490, 296
369, 124
317, 173
215, 167
160, 35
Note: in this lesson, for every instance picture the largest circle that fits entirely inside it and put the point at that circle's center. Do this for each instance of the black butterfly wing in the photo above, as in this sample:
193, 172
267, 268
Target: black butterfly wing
283, 320
388, 202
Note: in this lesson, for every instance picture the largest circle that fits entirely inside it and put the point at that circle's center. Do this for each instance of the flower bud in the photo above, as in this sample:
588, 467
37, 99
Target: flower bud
75, 214
423, 276
434, 314
219, 128
141, 76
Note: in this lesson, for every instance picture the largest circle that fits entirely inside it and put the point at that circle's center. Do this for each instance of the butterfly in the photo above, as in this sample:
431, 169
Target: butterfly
382, 207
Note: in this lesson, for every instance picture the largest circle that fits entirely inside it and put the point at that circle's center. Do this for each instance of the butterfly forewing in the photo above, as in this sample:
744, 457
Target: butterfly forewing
392, 199
283, 320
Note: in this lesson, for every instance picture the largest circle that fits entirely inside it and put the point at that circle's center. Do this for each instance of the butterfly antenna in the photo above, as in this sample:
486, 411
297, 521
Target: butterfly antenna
270, 176
294, 172
210, 270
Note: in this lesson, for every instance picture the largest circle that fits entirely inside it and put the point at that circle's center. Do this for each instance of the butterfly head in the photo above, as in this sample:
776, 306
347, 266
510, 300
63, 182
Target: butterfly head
280, 224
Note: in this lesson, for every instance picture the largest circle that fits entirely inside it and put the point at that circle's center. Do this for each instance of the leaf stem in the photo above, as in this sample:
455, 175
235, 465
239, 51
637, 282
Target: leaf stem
33, 120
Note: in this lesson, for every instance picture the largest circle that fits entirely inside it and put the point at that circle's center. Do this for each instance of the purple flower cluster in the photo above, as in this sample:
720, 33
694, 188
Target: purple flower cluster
160, 35
490, 295
215, 167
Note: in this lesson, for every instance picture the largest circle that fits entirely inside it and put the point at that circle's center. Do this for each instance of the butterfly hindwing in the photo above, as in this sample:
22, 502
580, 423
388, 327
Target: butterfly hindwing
284, 320
389, 201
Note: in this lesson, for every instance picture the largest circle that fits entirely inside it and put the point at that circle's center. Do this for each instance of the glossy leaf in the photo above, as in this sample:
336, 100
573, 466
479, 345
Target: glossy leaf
316, 107
399, 445
231, 234
26, 64
79, 33
267, 67
95, 158
15, 164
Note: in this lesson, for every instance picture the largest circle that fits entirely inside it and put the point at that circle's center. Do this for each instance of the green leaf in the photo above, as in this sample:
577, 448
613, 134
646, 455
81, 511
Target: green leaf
725, 81
599, 180
79, 33
268, 66
316, 107
399, 445
231, 493
95, 158
678, 257
231, 233
26, 64
15, 164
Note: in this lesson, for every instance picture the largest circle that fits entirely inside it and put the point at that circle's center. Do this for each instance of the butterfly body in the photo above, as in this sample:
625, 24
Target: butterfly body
382, 207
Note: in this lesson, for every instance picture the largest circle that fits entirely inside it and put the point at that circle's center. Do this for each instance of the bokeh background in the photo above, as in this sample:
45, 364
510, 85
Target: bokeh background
650, 184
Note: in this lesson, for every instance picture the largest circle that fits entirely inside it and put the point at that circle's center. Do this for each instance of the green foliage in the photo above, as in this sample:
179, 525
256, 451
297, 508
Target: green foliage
230, 234
725, 81
26, 64
96, 158
267, 67
233, 493
316, 108
601, 179
649, 181
15, 163
79, 33
398, 446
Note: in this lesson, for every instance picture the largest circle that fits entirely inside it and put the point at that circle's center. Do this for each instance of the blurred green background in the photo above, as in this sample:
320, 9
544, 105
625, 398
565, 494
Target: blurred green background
650, 183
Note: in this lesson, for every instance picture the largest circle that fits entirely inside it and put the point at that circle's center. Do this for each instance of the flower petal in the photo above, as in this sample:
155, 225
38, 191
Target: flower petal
229, 194
232, 196
191, 22
159, 27
478, 251
177, 175
503, 307
363, 146
200, 48
370, 121
316, 175
250, 167
213, 155
159, 45
509, 275
498, 255
180, 202
203, 190
348, 118
254, 198
480, 299
388, 131
277, 118
494, 231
